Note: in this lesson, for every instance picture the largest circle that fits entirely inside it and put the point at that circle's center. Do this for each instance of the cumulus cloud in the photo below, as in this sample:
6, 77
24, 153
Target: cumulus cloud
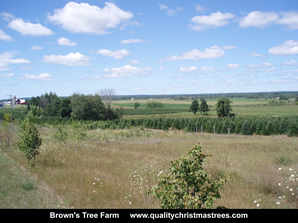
85, 18
188, 69
126, 71
289, 47
4, 36
290, 19
258, 19
128, 41
263, 19
118, 54
7, 58
233, 66
66, 42
208, 53
26, 28
72, 59
41, 77
214, 20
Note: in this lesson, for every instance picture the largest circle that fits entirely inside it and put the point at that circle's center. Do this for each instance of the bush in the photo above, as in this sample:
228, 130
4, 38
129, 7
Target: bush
188, 185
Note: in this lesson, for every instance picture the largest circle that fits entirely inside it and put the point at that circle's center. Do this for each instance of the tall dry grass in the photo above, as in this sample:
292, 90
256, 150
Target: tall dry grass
115, 168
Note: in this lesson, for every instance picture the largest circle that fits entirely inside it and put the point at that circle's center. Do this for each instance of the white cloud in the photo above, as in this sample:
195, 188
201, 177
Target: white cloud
118, 54
258, 19
256, 55
7, 75
208, 53
233, 66
27, 28
290, 63
41, 77
188, 69
4, 36
207, 68
6, 58
66, 42
289, 19
134, 62
263, 19
289, 47
128, 41
85, 18
126, 71
214, 20
162, 6
36, 48
72, 59
170, 12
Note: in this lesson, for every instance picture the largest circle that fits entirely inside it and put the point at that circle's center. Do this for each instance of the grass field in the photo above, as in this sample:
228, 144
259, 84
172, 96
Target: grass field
240, 106
115, 168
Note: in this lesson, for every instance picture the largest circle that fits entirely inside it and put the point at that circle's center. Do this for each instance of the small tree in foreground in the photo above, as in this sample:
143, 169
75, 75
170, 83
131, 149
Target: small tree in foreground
188, 185
30, 140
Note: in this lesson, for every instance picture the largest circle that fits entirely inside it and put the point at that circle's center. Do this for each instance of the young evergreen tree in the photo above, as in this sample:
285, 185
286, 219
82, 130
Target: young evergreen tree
293, 129
245, 128
269, 128
30, 140
238, 127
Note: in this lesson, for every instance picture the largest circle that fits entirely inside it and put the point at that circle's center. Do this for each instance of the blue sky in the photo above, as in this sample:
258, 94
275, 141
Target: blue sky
147, 47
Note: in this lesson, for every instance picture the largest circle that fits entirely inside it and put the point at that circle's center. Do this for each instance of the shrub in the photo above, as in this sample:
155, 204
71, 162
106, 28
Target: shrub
188, 185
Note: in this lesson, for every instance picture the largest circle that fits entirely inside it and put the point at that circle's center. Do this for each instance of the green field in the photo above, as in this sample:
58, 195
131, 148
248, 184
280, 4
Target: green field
240, 106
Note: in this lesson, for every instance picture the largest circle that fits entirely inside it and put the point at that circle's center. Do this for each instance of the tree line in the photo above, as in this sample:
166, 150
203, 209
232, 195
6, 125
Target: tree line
78, 107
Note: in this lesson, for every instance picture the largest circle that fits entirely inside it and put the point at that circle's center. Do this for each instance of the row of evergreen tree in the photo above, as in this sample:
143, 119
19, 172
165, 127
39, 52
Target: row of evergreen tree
236, 125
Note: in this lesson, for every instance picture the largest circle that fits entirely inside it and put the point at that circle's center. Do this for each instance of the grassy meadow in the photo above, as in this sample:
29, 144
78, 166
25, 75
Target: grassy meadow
114, 168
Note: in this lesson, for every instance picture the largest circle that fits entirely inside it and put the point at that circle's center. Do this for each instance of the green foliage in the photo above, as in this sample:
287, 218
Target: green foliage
224, 108
136, 105
204, 107
245, 128
7, 117
65, 109
60, 134
293, 129
154, 104
87, 107
194, 107
30, 140
188, 185
283, 160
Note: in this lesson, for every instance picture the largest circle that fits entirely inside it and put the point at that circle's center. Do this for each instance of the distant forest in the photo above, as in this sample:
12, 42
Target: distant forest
252, 95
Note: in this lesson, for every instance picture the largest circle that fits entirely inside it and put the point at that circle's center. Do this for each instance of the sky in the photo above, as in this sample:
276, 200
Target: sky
147, 47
